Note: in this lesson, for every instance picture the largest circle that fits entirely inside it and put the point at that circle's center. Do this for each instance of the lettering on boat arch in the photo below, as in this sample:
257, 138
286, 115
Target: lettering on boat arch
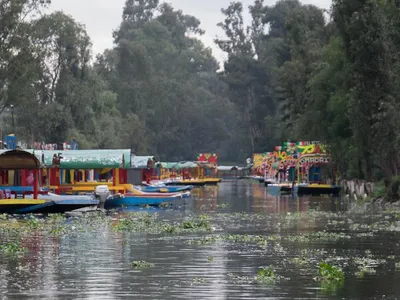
306, 160
311, 149
288, 162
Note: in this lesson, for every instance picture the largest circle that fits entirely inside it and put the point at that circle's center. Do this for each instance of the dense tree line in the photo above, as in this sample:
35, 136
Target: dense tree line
156, 91
301, 73
296, 72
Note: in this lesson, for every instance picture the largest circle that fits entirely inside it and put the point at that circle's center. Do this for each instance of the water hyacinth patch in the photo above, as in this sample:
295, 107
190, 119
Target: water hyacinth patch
12, 248
330, 273
141, 264
266, 275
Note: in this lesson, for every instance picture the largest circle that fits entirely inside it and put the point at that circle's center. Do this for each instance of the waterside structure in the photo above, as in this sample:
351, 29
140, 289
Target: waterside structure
302, 167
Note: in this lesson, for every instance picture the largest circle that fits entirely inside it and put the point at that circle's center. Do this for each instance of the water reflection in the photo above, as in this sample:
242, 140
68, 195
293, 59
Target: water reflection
96, 264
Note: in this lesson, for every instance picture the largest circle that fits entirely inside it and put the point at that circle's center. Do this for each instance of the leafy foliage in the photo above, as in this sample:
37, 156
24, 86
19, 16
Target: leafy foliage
293, 73
156, 91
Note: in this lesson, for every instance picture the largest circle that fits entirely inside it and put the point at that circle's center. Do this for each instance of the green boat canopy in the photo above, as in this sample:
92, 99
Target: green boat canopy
140, 162
168, 165
84, 159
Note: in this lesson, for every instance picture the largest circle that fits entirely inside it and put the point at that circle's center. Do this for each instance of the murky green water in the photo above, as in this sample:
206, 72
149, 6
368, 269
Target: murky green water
210, 247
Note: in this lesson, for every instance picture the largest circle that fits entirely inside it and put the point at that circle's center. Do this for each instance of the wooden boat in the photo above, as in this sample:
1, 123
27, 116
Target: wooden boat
119, 200
269, 181
275, 188
318, 189
305, 189
60, 204
212, 181
194, 182
166, 189
10, 206
135, 191
46, 204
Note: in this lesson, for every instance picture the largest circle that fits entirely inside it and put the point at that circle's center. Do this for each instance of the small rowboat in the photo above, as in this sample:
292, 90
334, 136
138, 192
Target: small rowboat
155, 199
166, 189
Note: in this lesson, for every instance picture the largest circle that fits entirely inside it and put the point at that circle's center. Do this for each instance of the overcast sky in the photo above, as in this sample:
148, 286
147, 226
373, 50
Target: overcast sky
102, 16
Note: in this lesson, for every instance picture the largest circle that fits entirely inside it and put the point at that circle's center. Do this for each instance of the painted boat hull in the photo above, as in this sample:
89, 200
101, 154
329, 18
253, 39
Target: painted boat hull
10, 206
318, 190
27, 206
212, 181
274, 188
188, 182
268, 182
138, 200
166, 189
305, 189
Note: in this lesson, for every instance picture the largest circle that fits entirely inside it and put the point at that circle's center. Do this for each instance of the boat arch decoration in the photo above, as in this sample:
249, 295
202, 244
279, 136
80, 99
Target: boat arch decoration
288, 162
311, 159
211, 158
304, 148
258, 163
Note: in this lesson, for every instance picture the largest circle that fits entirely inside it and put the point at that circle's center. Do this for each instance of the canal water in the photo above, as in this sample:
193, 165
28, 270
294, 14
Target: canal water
165, 254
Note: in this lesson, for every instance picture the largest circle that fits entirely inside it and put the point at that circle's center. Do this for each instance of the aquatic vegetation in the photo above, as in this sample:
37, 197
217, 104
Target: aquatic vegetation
12, 248
257, 237
198, 281
34, 223
266, 275
203, 241
223, 205
320, 236
245, 238
141, 264
299, 261
331, 277
330, 273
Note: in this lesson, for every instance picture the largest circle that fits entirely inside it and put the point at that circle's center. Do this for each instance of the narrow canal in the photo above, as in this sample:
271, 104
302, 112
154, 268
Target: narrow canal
233, 241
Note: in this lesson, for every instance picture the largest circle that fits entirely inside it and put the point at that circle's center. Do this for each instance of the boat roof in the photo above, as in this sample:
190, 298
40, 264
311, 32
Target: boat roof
18, 159
228, 168
83, 159
140, 162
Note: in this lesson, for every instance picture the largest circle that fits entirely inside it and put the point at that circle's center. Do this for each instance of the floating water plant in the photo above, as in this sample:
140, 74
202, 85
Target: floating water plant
203, 241
198, 281
12, 248
223, 205
330, 272
210, 258
266, 275
141, 264
318, 236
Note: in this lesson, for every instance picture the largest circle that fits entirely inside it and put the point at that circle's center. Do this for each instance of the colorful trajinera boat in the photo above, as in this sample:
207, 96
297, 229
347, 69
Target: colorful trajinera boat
21, 163
302, 168
201, 172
